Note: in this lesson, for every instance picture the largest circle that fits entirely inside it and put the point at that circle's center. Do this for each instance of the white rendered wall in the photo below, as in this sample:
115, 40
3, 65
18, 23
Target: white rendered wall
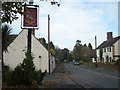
52, 63
40, 55
105, 54
117, 49
110, 54
16, 50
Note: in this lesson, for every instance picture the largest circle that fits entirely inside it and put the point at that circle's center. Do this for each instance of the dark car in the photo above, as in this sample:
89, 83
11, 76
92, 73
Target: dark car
76, 63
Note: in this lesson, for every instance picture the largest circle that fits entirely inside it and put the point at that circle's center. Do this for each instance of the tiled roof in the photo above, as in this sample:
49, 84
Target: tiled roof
11, 38
108, 43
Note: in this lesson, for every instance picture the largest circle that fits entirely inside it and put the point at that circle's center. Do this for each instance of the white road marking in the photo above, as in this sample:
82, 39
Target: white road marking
99, 73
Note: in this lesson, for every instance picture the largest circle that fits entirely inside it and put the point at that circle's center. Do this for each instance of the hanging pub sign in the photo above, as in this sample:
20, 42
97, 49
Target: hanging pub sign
30, 18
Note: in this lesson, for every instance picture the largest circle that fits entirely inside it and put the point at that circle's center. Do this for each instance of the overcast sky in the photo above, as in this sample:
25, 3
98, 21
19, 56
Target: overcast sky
75, 19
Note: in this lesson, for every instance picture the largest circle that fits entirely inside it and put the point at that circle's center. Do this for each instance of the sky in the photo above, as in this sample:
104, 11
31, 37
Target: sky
75, 20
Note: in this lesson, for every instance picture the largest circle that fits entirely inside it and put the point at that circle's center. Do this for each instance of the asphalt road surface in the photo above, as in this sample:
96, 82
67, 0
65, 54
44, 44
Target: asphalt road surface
90, 77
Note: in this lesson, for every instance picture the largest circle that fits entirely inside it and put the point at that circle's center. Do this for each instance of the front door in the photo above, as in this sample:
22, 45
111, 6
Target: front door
107, 59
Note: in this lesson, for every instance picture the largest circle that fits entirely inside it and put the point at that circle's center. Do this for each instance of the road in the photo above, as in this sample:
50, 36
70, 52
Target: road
59, 79
90, 77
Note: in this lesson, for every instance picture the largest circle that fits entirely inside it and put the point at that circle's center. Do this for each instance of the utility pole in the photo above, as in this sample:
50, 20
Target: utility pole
96, 50
49, 42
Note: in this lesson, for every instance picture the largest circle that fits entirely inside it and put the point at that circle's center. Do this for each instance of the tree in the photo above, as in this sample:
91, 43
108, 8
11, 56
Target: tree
70, 58
6, 30
90, 46
58, 54
11, 9
77, 50
82, 52
85, 45
29, 69
51, 45
65, 53
86, 54
78, 43
61, 54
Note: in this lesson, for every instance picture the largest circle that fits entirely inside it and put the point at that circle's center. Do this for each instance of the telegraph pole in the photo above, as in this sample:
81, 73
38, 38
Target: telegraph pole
49, 42
96, 50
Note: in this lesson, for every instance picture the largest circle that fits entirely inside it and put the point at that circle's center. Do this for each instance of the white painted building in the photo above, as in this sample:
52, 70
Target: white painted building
110, 49
18, 47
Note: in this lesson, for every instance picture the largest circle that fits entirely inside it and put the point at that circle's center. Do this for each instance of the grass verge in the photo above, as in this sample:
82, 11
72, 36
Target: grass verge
94, 66
61, 68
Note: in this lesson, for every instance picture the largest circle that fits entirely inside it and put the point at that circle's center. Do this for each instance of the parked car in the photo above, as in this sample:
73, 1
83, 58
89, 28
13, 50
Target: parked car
76, 63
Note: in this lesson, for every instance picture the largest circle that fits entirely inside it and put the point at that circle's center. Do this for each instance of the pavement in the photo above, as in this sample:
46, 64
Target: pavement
59, 80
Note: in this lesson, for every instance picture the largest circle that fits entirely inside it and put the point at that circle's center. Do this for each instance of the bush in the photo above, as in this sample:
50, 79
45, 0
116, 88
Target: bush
39, 76
112, 63
6, 69
25, 73
15, 77
81, 62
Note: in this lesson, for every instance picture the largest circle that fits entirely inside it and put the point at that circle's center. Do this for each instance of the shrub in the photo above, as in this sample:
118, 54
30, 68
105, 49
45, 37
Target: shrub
28, 69
9, 78
6, 69
39, 76
15, 77
112, 63
25, 73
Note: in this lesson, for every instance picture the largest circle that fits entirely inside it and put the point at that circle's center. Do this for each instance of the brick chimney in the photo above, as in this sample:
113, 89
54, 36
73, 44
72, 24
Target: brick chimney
33, 32
41, 40
109, 36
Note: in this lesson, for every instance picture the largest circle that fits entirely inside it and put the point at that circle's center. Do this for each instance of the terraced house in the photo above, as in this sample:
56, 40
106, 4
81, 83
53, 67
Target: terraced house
109, 50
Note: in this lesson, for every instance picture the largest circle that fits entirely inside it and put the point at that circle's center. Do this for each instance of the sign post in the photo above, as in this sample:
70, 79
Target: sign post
30, 21
29, 40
